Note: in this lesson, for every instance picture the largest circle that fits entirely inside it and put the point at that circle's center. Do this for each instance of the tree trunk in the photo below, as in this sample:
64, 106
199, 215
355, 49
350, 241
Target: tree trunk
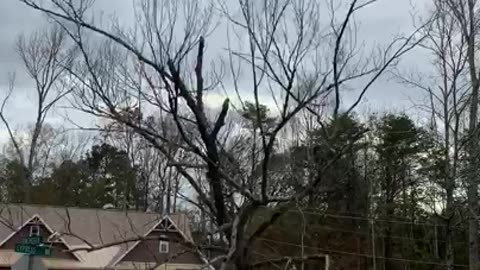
175, 192
168, 206
449, 177
145, 193
168, 198
472, 194
389, 212
388, 245
388, 248
449, 237
473, 149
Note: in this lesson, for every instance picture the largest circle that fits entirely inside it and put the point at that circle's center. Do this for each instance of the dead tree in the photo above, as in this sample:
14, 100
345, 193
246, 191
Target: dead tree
46, 57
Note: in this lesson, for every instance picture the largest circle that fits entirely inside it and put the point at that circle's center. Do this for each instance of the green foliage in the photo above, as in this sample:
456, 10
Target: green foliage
382, 169
11, 177
104, 176
343, 131
110, 179
343, 189
400, 149
399, 138
257, 118
66, 184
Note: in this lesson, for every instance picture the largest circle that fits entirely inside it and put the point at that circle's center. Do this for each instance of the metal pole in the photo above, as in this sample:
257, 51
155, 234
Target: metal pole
30, 262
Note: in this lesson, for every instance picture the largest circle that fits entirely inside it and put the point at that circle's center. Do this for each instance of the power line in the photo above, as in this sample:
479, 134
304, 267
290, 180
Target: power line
333, 251
402, 238
366, 234
361, 218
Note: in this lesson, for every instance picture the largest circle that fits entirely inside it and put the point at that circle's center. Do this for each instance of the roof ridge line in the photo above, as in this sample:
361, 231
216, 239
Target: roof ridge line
89, 208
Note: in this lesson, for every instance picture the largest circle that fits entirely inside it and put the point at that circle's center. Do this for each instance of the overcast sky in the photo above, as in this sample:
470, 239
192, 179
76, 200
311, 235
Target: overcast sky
379, 22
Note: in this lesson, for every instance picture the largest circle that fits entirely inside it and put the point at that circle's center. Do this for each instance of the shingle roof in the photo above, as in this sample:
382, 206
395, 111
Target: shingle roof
82, 227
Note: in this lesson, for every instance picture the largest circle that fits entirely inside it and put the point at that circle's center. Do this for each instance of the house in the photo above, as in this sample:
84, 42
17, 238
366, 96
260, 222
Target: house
78, 238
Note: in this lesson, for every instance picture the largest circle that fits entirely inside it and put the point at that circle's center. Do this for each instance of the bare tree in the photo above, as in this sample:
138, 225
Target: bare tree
45, 57
466, 13
447, 93
158, 182
286, 52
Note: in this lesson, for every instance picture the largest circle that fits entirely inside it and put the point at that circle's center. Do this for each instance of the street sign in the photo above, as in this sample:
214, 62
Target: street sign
33, 250
33, 240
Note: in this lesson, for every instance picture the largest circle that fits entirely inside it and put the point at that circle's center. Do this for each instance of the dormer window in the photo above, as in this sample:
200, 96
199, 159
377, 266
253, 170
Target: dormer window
34, 230
163, 245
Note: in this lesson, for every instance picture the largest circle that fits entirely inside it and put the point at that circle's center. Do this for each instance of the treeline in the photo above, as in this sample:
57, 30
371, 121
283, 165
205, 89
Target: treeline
381, 204
102, 177
381, 197
111, 169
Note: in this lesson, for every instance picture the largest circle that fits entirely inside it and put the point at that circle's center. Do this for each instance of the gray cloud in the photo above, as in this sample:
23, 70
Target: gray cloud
378, 24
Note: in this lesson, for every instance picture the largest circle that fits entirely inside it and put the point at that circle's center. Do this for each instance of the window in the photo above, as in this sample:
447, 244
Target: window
163, 245
34, 230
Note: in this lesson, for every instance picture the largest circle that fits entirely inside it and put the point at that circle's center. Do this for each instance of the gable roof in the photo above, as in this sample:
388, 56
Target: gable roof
164, 219
40, 221
82, 227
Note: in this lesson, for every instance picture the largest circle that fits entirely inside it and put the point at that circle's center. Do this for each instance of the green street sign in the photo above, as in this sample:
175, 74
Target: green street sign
34, 240
33, 250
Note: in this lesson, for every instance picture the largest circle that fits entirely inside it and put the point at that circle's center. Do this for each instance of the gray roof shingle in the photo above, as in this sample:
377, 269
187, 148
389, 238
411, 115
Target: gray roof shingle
83, 227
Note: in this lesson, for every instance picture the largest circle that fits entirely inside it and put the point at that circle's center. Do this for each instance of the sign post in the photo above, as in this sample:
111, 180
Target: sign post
33, 250
30, 262
33, 246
